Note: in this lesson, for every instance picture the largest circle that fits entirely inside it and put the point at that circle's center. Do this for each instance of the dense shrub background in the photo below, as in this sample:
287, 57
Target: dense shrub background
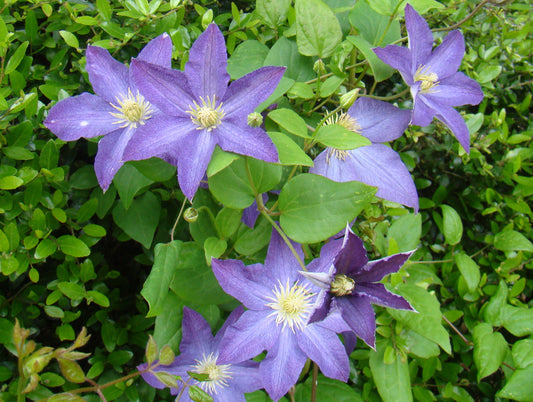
73, 257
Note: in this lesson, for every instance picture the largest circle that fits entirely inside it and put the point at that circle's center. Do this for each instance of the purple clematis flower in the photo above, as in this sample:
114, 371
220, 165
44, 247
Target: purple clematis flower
228, 381
201, 111
436, 85
279, 304
377, 164
117, 110
350, 284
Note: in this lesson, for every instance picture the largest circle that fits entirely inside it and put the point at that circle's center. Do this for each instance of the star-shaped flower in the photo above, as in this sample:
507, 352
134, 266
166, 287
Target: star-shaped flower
436, 85
350, 284
228, 381
279, 303
201, 111
117, 110
377, 164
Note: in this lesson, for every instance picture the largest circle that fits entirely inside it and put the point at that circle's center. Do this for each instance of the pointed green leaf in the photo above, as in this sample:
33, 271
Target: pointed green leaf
339, 137
511, 240
469, 269
70, 245
489, 350
452, 227
520, 386
290, 121
289, 152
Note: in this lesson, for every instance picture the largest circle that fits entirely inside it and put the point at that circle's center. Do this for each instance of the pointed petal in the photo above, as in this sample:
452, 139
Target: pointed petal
456, 90
328, 252
193, 157
455, 122
254, 332
245, 283
227, 394
380, 121
246, 140
446, 58
399, 58
420, 38
246, 93
352, 256
109, 78
359, 315
167, 89
246, 376
377, 294
282, 366
376, 270
319, 279
326, 164
350, 341
158, 51
85, 115
280, 264
422, 113
206, 68
232, 319
324, 348
196, 339
321, 308
108, 160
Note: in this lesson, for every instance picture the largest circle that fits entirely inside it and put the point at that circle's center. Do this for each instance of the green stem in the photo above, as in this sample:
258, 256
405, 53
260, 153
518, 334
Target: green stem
315, 382
177, 220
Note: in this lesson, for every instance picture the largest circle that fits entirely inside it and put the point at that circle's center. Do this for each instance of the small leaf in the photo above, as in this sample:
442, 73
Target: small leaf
71, 370
290, 121
70, 39
339, 137
197, 394
452, 227
73, 246
520, 386
16, 58
289, 152
511, 240
10, 183
71, 290
166, 355
151, 350
489, 350
469, 269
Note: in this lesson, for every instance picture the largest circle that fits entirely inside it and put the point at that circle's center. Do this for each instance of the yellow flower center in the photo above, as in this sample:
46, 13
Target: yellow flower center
428, 80
206, 116
291, 305
133, 110
342, 285
218, 374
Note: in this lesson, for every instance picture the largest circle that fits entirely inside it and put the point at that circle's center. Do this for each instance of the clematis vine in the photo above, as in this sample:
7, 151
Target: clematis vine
436, 85
279, 303
350, 284
227, 381
377, 164
117, 110
202, 111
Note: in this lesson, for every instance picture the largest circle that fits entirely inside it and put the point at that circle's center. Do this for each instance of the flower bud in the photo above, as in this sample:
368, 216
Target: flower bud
319, 67
166, 356
190, 215
255, 119
342, 285
349, 98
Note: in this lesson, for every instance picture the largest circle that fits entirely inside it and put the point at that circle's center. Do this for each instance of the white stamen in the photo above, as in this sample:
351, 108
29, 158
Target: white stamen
292, 305
133, 110
218, 374
206, 115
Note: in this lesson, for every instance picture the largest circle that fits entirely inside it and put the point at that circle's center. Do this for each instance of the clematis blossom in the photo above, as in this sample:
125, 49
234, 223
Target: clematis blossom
202, 111
350, 284
279, 303
436, 85
376, 164
117, 110
199, 353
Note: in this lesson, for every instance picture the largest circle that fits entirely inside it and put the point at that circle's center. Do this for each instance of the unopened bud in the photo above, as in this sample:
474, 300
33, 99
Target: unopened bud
255, 119
190, 215
349, 98
342, 285
166, 356
319, 67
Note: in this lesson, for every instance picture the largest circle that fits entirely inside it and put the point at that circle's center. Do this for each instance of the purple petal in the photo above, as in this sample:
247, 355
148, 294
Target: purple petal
250, 214
85, 115
455, 122
327, 165
376, 270
324, 348
196, 339
352, 256
246, 376
446, 58
109, 157
377, 294
420, 38
246, 93
206, 68
254, 332
359, 315
350, 341
245, 283
165, 88
158, 51
246, 140
282, 366
322, 307
280, 264
399, 58
380, 121
422, 113
109, 78
232, 318
456, 90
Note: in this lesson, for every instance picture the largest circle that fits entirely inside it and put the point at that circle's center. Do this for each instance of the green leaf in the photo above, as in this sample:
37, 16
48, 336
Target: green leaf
228, 221
128, 182
489, 350
289, 152
70, 39
250, 241
94, 230
314, 208
327, 389
151, 351
318, 31
104, 9
518, 320
16, 58
10, 183
284, 53
493, 310
290, 121
273, 12
45, 248
214, 248
18, 153
375, 28
141, 219
72, 290
4, 242
167, 330
339, 137
511, 240
452, 227
519, 387
49, 155
380, 70
220, 160
392, 380
98, 298
406, 231
70, 245
247, 57
469, 269
86, 20
84, 178
197, 394
157, 285
155, 169
523, 353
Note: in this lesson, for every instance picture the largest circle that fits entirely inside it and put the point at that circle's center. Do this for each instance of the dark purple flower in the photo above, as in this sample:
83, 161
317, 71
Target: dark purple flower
350, 285
279, 303
201, 111
228, 381
436, 85
117, 110
377, 164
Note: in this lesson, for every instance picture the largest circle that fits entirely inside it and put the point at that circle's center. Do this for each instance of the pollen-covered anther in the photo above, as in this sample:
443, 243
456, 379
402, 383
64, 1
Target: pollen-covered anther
206, 116
133, 110
292, 305
428, 80
219, 374
346, 121
340, 154
342, 285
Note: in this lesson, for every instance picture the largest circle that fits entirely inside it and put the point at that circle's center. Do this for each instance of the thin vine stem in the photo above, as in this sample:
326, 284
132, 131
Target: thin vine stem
177, 220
